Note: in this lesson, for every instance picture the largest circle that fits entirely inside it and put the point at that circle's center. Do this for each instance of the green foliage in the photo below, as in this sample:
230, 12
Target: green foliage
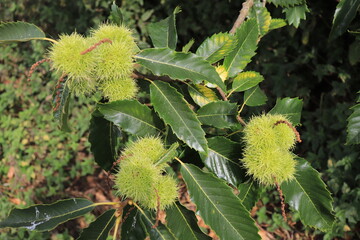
47, 217
344, 14
295, 14
19, 32
200, 117
99, 229
216, 47
177, 65
208, 193
246, 44
173, 109
163, 34
310, 198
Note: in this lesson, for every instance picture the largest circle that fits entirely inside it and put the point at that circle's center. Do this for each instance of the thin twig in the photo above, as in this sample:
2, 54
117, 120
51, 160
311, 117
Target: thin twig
243, 13
96, 45
157, 209
34, 66
282, 201
223, 95
240, 120
297, 134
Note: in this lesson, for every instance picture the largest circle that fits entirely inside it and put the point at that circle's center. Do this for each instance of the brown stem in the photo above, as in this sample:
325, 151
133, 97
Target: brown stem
240, 120
157, 209
96, 45
282, 201
223, 95
57, 97
242, 15
297, 134
34, 66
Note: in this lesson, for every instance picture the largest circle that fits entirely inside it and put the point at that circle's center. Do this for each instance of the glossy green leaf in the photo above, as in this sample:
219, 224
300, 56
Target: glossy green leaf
61, 101
100, 228
247, 36
263, 18
161, 232
308, 195
20, 32
173, 109
183, 223
254, 97
178, 65
222, 159
116, 15
217, 205
44, 217
295, 14
277, 23
353, 127
163, 33
249, 193
246, 80
285, 3
104, 138
201, 94
131, 116
290, 107
132, 227
216, 47
169, 155
344, 14
221, 114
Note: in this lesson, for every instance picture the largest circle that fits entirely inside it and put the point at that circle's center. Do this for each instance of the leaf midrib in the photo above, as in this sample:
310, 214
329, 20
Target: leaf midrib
173, 65
220, 213
180, 117
241, 46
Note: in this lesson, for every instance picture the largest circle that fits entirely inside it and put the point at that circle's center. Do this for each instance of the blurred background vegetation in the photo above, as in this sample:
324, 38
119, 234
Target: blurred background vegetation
40, 164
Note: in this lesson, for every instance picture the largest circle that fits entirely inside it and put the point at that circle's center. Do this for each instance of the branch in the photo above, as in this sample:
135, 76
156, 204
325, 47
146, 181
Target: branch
243, 13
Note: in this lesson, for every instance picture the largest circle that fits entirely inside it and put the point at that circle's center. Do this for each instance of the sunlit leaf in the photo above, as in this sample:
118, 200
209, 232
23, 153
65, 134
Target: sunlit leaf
247, 36
217, 205
290, 107
246, 80
20, 32
263, 17
222, 159
44, 217
277, 23
308, 195
201, 94
216, 47
179, 65
173, 109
